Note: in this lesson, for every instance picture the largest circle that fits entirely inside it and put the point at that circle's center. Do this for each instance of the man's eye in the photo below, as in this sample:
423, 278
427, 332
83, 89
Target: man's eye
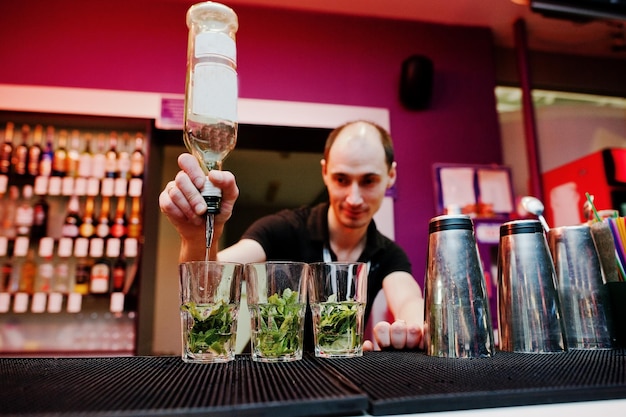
369, 181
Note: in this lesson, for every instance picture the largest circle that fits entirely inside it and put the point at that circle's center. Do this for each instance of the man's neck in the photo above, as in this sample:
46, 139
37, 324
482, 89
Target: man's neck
347, 243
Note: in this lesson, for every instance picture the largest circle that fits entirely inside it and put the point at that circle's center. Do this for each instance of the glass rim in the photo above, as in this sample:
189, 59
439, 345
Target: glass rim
338, 263
276, 263
211, 263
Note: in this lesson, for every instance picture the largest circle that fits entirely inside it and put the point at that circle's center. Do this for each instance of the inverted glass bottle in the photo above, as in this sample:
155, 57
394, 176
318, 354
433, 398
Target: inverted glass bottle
210, 124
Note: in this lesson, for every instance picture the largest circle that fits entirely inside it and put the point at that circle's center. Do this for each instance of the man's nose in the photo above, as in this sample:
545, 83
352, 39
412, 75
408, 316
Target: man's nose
354, 196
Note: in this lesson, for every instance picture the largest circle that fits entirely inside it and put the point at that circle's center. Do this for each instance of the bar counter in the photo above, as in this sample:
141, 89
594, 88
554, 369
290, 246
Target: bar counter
379, 383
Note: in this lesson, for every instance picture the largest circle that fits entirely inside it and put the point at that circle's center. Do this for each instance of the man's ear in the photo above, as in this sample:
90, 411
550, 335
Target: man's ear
323, 164
392, 175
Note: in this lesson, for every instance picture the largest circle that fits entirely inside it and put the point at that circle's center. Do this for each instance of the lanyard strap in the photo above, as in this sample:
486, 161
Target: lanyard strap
328, 258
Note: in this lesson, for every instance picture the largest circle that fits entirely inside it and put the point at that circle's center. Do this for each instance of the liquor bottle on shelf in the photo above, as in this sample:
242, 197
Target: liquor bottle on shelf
87, 226
123, 158
83, 266
47, 155
6, 273
40, 219
6, 152
72, 222
134, 221
98, 168
137, 158
45, 269
86, 159
101, 270
28, 273
35, 152
103, 227
59, 161
63, 269
19, 159
25, 213
10, 208
119, 226
110, 167
73, 155
118, 277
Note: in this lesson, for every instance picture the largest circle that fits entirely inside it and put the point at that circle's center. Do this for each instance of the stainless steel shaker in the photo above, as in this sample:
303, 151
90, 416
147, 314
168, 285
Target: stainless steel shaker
529, 311
584, 297
457, 320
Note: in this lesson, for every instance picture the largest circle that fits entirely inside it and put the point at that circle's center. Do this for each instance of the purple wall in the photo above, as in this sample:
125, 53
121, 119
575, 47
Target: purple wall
140, 45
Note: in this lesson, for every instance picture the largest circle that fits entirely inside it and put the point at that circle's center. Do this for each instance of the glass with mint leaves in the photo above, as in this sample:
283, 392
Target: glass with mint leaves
338, 295
276, 297
209, 295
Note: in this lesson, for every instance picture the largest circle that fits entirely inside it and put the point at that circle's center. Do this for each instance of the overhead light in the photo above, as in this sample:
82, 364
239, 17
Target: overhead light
580, 10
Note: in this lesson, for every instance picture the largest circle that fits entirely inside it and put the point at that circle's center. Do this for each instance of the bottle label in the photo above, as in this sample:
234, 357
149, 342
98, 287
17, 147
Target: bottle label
54, 186
121, 186
84, 165
4, 182
67, 187
100, 279
214, 91
69, 230
215, 43
135, 186
24, 218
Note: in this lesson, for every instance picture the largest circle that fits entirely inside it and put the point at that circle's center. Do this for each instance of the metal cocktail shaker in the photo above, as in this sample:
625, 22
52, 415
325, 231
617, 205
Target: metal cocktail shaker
456, 310
529, 312
584, 297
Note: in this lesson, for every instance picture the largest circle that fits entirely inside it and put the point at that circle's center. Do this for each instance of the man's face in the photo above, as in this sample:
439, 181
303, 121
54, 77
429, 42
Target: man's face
356, 175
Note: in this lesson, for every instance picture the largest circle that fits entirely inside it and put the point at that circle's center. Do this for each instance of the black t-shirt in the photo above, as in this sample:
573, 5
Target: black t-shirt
300, 235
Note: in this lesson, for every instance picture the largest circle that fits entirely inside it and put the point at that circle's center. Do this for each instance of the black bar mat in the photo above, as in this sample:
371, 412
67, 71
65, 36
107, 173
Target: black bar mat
412, 382
165, 386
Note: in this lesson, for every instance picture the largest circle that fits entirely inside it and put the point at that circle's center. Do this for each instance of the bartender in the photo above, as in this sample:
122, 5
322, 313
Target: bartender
358, 167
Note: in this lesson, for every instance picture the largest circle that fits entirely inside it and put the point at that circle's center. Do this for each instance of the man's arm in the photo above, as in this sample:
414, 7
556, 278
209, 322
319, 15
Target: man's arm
406, 304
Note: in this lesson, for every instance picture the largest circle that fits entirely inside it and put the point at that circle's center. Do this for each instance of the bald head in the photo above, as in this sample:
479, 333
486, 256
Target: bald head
362, 129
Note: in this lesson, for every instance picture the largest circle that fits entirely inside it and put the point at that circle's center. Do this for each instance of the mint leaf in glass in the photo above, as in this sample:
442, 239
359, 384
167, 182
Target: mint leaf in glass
212, 327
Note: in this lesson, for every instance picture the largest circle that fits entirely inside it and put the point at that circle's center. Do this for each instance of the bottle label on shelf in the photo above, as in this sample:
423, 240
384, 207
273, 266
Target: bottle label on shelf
93, 186
80, 186
130, 247
67, 187
113, 247
65, 247
39, 302
46, 246
100, 275
4, 181
121, 186
55, 302
5, 302
135, 186
74, 302
81, 247
54, 186
117, 302
21, 246
41, 185
108, 187
20, 302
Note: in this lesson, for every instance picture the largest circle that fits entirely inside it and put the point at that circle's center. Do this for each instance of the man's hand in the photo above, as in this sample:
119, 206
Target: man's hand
398, 335
185, 207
